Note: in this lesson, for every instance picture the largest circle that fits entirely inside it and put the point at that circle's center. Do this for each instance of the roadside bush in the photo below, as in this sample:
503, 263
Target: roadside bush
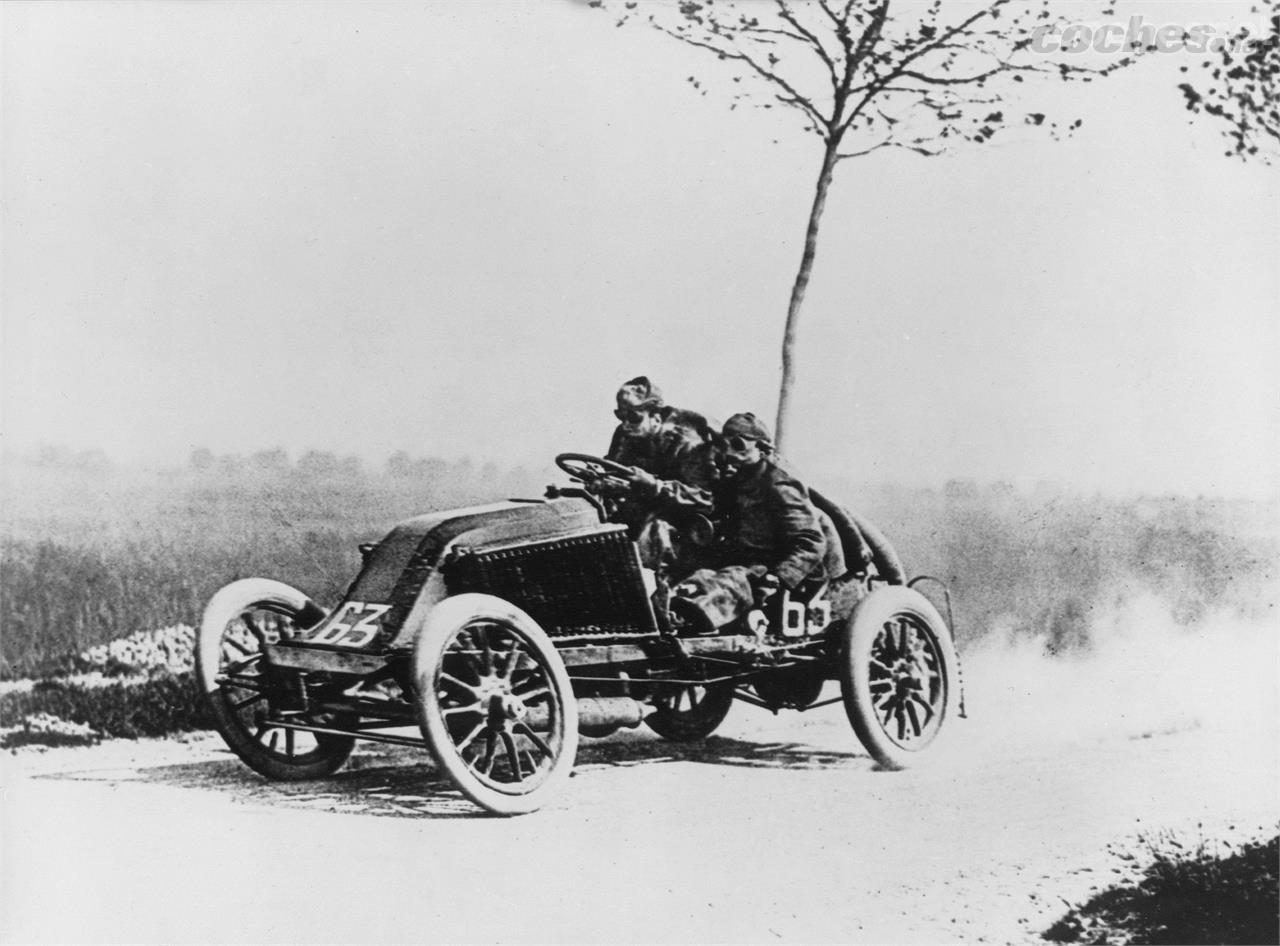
131, 709
1201, 892
45, 730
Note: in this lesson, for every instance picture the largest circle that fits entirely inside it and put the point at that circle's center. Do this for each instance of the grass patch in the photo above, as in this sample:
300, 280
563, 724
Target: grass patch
156, 706
1203, 892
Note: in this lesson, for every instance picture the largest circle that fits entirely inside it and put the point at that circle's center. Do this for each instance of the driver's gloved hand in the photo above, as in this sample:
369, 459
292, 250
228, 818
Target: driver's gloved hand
643, 484
612, 486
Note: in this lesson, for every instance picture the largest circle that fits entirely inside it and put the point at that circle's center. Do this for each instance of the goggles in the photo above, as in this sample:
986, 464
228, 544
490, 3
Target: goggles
631, 417
738, 444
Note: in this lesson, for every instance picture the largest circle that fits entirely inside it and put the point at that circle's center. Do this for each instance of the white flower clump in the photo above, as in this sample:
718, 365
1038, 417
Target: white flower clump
45, 729
168, 649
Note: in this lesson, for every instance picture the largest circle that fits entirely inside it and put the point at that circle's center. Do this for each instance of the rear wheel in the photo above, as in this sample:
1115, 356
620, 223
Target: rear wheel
495, 703
242, 695
688, 712
790, 687
897, 670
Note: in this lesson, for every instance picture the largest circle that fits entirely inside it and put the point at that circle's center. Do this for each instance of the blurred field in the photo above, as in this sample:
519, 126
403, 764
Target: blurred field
89, 554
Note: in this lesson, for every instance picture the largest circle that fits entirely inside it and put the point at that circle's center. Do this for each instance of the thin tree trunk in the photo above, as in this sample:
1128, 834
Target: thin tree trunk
798, 290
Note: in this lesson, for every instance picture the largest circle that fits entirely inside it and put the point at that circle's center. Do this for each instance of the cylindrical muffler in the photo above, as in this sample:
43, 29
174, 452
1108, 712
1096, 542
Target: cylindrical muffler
601, 715
597, 715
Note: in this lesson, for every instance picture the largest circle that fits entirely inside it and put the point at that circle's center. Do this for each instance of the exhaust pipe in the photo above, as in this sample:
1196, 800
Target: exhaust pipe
603, 715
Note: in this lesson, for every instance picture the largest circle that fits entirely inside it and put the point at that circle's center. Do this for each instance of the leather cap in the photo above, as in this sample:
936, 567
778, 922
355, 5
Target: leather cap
748, 427
639, 393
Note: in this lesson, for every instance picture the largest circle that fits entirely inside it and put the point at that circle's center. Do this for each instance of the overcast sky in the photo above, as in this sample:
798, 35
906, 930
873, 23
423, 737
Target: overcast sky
455, 228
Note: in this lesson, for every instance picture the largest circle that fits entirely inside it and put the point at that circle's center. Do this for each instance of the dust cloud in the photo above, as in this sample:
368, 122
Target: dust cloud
1145, 675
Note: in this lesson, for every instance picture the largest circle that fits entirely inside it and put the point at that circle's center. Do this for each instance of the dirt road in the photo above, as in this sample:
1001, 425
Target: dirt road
775, 830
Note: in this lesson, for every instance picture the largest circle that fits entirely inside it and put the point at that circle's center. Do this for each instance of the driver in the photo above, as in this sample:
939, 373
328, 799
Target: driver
768, 534
672, 463
652, 435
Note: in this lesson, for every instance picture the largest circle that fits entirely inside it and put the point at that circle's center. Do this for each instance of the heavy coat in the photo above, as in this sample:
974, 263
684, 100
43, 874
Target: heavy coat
679, 455
763, 517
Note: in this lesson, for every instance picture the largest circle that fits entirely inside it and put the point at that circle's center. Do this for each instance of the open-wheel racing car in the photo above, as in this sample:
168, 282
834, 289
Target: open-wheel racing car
500, 633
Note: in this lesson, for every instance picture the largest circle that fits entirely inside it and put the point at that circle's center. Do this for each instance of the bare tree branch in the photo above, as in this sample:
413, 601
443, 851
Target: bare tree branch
957, 30
963, 80
785, 12
917, 147
842, 155
791, 98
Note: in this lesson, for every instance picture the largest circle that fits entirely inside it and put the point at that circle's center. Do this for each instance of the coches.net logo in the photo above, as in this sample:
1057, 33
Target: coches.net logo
1117, 37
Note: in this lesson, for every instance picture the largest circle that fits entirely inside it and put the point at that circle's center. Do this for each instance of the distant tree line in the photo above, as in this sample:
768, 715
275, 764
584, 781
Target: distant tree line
276, 461
59, 457
325, 463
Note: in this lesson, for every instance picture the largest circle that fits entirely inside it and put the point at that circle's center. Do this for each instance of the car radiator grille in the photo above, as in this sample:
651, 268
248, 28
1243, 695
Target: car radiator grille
583, 586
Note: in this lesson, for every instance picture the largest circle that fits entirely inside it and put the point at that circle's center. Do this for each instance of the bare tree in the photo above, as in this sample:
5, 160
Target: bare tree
1242, 89
868, 75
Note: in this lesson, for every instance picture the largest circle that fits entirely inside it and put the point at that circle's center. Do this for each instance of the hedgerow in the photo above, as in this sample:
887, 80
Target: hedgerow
155, 706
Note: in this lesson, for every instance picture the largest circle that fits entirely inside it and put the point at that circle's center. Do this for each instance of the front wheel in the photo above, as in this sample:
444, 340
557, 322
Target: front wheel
239, 690
897, 674
495, 703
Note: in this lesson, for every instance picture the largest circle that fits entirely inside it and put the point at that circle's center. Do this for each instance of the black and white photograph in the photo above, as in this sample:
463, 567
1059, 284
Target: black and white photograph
639, 471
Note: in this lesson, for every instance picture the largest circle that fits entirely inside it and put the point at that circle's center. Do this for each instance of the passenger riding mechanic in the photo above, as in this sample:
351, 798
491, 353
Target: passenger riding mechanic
768, 534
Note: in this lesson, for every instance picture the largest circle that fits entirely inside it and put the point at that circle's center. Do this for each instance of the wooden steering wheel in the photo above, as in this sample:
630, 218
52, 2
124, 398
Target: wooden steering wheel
584, 466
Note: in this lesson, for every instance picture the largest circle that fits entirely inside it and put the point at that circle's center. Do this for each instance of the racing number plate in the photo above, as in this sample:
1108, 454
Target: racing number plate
353, 625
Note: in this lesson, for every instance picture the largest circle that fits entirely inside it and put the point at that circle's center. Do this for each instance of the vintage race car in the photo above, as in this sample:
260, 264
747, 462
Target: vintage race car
496, 635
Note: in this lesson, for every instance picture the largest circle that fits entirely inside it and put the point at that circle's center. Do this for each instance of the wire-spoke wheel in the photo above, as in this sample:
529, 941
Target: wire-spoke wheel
495, 703
243, 699
897, 671
688, 712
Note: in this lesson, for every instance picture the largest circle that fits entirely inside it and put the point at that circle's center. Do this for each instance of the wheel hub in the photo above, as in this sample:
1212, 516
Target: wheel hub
909, 674
512, 707
504, 708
